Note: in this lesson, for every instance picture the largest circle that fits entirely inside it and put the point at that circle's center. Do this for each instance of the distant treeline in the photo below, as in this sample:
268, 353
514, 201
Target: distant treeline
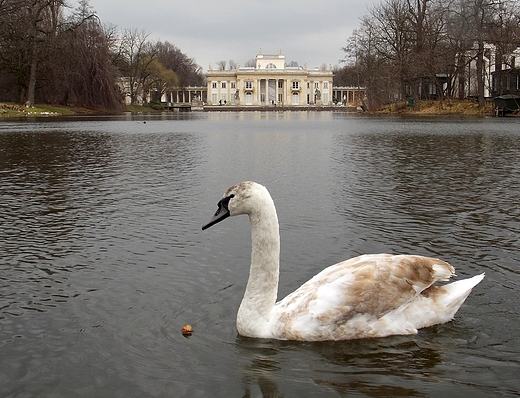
449, 46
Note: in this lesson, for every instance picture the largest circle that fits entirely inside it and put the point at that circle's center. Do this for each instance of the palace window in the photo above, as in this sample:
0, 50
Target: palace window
325, 85
270, 66
295, 85
249, 85
223, 84
233, 85
214, 85
280, 83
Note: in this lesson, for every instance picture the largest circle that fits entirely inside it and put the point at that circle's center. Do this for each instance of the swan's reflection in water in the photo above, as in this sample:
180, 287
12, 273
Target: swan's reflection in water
372, 367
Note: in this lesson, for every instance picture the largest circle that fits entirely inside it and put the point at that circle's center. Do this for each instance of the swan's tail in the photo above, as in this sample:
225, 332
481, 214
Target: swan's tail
457, 292
439, 304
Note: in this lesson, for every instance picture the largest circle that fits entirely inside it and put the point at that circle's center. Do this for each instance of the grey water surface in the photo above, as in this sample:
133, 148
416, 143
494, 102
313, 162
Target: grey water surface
102, 257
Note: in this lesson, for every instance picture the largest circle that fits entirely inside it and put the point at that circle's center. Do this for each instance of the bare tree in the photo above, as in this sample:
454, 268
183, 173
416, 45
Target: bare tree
503, 32
406, 47
221, 65
51, 55
368, 67
45, 19
84, 74
479, 15
160, 80
392, 38
134, 58
186, 69
460, 36
28, 30
488, 25
250, 63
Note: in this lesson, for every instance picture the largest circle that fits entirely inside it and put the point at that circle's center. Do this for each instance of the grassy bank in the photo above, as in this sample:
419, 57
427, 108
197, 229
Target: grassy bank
451, 107
8, 109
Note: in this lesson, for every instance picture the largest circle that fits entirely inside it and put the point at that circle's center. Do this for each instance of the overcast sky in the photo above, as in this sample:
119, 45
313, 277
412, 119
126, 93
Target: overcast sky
307, 31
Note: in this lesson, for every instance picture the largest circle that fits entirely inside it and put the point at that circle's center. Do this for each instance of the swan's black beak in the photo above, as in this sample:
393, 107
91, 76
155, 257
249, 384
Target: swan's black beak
221, 214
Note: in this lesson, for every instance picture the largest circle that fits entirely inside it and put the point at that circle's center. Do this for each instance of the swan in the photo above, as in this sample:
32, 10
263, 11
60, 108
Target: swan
373, 295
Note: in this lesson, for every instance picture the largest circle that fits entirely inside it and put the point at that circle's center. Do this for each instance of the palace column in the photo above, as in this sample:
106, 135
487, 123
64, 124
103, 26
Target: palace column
256, 96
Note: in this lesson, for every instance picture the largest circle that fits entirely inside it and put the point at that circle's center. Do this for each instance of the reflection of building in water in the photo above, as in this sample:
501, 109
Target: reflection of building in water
270, 82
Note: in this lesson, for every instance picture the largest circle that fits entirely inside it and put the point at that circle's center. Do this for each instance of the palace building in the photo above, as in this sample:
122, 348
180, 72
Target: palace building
270, 83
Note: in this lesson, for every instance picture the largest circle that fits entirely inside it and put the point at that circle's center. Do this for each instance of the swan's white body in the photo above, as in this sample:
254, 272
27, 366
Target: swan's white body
372, 295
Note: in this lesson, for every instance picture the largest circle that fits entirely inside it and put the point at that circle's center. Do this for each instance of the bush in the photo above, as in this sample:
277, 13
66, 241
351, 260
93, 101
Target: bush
157, 106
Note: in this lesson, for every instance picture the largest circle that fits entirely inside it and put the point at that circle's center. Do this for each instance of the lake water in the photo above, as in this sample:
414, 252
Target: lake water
102, 257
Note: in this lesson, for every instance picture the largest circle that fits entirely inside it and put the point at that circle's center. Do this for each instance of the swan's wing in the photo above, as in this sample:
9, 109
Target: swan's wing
362, 289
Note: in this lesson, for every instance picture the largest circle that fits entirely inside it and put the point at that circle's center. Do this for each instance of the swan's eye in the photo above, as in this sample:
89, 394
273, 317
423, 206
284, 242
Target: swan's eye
223, 203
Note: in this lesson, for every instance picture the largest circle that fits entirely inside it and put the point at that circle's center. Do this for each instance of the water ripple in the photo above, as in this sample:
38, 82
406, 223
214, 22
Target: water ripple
102, 259
70, 199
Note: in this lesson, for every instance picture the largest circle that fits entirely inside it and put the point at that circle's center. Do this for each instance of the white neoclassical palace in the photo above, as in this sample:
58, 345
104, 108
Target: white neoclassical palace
270, 82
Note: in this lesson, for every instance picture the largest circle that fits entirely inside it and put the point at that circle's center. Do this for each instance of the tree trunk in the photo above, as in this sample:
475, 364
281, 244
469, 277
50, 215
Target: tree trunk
480, 74
32, 82
461, 77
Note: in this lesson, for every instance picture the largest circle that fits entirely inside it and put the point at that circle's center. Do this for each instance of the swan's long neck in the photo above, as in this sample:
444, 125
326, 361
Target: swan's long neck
262, 286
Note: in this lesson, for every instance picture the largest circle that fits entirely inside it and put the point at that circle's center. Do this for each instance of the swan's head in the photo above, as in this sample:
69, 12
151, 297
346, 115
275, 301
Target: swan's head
243, 198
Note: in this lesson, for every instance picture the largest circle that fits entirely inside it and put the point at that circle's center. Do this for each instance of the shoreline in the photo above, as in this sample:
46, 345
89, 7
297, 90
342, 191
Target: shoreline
420, 108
